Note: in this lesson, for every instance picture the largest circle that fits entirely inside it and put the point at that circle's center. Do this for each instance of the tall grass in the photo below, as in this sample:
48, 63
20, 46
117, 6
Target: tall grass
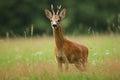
33, 59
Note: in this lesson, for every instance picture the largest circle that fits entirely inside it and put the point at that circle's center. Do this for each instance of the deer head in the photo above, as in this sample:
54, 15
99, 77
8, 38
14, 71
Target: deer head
55, 18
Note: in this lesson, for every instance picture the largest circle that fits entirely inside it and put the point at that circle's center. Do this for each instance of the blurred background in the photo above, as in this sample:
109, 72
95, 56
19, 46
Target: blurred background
26, 17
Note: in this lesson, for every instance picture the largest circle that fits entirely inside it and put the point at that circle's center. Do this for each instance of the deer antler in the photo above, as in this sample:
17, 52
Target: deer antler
58, 9
52, 9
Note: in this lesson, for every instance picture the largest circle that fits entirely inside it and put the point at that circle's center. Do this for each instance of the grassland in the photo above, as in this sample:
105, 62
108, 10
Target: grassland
33, 59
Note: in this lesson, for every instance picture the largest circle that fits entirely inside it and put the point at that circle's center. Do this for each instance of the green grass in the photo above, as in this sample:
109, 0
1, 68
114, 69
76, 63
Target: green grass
33, 59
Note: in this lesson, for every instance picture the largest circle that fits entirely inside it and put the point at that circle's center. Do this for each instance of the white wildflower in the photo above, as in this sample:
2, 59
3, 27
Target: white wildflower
94, 54
38, 53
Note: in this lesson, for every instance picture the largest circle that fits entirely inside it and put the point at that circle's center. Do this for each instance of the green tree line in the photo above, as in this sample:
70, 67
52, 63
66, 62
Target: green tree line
18, 17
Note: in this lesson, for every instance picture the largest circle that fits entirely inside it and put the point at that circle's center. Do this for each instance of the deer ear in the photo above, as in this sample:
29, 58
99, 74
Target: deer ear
62, 13
48, 13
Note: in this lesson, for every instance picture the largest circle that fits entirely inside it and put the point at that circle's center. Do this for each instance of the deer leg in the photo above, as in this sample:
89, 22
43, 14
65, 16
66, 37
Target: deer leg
66, 66
59, 61
84, 63
83, 66
66, 62
85, 60
80, 65
60, 66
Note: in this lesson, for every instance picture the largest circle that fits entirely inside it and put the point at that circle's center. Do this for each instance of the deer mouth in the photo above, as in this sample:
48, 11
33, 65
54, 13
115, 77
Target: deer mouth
54, 26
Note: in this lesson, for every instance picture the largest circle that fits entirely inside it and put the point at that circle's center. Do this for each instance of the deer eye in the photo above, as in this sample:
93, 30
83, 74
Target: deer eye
58, 20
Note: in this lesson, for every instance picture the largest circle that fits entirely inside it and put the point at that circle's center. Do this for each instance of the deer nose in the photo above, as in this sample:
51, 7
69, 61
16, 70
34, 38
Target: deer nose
54, 25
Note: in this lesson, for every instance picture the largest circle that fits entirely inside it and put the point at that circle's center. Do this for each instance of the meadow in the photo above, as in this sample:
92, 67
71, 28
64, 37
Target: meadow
33, 59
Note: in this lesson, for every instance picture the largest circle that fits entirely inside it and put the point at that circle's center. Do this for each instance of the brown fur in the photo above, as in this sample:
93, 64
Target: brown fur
65, 50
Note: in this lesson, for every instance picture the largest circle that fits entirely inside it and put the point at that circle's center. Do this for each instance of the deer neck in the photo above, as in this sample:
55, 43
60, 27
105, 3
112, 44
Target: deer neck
58, 36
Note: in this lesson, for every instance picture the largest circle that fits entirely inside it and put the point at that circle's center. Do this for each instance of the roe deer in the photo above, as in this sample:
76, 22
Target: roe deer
65, 50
